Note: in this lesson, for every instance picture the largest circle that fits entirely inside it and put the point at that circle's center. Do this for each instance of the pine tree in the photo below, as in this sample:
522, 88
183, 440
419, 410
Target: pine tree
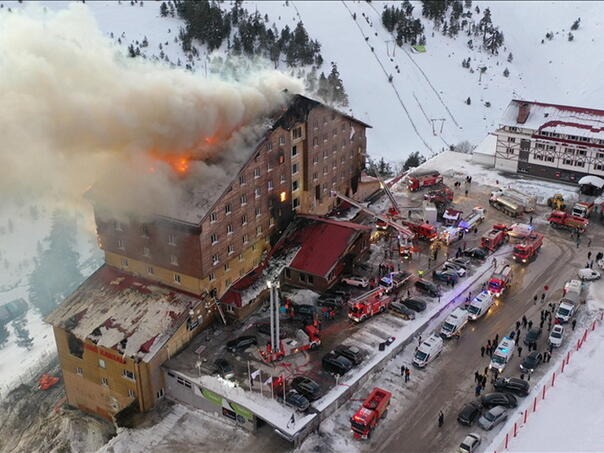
338, 94
323, 89
163, 9
506, 72
575, 25
570, 36
510, 57
469, 101
414, 160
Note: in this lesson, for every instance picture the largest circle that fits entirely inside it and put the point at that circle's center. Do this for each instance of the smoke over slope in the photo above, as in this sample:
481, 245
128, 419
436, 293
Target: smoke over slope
73, 107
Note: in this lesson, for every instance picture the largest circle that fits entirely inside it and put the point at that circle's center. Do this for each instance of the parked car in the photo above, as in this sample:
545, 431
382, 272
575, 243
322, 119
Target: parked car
427, 287
514, 385
224, 368
402, 310
307, 387
332, 302
493, 417
353, 280
556, 335
588, 274
445, 276
337, 364
469, 413
532, 335
304, 309
352, 353
531, 362
504, 399
265, 329
297, 401
454, 267
476, 253
461, 262
414, 304
470, 443
241, 343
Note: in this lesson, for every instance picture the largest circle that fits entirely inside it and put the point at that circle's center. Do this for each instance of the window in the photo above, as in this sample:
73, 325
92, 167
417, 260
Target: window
271, 221
227, 283
243, 199
282, 179
227, 208
150, 270
242, 180
243, 219
215, 260
580, 163
174, 260
256, 157
288, 273
269, 146
270, 184
282, 140
315, 124
131, 393
294, 151
231, 249
581, 152
509, 151
324, 154
294, 169
240, 257
119, 226
257, 192
281, 158
315, 141
315, 176
335, 131
79, 371
551, 147
146, 252
226, 267
282, 197
104, 382
121, 244
295, 185
302, 277
171, 239
567, 161
599, 167
311, 280
257, 172
512, 139
214, 238
258, 211
229, 229
325, 137
128, 375
145, 231
297, 133
324, 170
296, 203
177, 278
259, 230
334, 149
101, 363
513, 129
246, 239
315, 159
124, 262
211, 276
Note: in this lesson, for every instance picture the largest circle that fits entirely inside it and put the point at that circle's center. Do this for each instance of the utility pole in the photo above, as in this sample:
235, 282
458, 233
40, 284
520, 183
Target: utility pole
434, 127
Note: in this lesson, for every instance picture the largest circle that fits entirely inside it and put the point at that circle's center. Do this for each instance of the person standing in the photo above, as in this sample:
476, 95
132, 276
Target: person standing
524, 321
482, 349
476, 376
517, 325
530, 323
519, 351
403, 370
573, 324
477, 390
407, 374
441, 419
496, 342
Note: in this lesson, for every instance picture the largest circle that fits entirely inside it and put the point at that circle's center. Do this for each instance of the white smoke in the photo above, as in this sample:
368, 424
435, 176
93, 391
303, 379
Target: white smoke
73, 107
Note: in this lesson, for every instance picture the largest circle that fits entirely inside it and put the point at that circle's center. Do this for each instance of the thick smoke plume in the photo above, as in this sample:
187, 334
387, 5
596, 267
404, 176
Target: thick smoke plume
74, 108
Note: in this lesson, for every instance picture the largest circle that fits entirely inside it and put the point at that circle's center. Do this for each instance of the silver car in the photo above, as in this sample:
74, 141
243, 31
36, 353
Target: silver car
470, 443
493, 417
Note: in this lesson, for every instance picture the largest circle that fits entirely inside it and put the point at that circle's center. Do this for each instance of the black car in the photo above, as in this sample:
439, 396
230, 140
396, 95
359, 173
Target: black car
476, 253
307, 387
469, 413
414, 304
352, 353
445, 276
331, 302
224, 368
531, 362
304, 309
297, 401
241, 343
334, 363
402, 310
532, 335
493, 399
517, 386
427, 287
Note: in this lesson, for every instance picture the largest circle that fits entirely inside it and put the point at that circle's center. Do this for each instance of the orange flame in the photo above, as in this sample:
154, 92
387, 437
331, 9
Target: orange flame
180, 162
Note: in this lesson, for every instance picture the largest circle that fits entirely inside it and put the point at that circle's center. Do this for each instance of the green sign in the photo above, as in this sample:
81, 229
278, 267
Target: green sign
240, 410
213, 397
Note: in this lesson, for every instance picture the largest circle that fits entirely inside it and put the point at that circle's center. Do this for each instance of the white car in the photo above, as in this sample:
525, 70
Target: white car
556, 336
588, 274
601, 263
470, 443
460, 271
359, 282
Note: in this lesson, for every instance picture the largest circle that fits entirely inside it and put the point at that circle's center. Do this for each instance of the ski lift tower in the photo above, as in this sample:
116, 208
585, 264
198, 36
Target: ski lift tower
274, 315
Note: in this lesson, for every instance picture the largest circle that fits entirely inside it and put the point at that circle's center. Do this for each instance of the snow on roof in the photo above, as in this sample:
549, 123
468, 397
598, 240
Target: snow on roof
487, 146
555, 118
322, 243
122, 312
592, 180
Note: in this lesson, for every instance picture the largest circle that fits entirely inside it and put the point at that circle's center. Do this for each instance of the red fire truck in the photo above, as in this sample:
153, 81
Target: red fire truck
305, 339
367, 417
527, 250
500, 280
368, 304
420, 180
561, 219
494, 238
423, 231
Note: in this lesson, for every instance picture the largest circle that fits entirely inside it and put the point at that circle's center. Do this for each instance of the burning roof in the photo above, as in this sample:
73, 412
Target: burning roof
118, 311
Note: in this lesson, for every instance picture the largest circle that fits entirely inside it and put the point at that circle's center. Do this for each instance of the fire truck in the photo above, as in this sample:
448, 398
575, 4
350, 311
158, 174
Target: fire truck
423, 231
420, 180
506, 205
305, 339
528, 249
500, 280
474, 219
369, 304
367, 417
561, 219
443, 194
583, 209
529, 202
494, 238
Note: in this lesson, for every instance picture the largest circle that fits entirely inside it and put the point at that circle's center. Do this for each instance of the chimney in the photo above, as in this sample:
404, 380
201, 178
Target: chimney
523, 112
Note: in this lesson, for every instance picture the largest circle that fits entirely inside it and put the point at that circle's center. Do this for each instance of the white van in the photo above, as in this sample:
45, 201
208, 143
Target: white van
573, 287
565, 311
454, 323
480, 305
428, 351
502, 354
